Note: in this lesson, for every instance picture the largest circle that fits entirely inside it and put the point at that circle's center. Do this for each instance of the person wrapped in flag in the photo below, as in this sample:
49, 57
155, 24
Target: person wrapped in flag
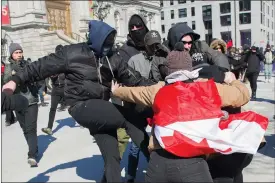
188, 122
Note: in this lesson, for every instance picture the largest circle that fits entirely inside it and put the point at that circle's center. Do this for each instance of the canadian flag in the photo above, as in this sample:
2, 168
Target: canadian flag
187, 119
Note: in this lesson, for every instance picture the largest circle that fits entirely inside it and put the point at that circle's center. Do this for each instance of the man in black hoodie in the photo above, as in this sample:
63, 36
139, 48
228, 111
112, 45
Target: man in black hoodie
135, 39
89, 76
182, 37
135, 45
253, 60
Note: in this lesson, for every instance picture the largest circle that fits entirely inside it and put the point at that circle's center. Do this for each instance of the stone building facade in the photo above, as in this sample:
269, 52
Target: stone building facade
41, 25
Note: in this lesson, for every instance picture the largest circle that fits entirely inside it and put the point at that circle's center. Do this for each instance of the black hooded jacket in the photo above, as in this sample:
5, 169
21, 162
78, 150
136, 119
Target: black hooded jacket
86, 76
129, 49
200, 52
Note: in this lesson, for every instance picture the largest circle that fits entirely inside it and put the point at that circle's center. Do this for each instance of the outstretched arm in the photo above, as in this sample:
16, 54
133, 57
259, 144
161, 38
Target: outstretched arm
143, 95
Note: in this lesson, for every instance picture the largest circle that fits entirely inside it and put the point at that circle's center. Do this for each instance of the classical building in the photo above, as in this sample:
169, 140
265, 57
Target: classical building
41, 25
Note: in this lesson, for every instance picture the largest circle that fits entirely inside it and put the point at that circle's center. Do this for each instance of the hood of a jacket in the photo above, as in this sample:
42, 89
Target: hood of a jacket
98, 32
182, 75
142, 19
176, 33
217, 42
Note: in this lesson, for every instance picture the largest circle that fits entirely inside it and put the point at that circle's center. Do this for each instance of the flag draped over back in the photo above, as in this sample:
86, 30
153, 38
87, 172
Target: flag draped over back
188, 123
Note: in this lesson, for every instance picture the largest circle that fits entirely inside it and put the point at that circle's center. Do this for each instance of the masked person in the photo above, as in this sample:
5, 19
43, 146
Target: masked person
134, 45
89, 74
28, 118
179, 143
253, 59
142, 63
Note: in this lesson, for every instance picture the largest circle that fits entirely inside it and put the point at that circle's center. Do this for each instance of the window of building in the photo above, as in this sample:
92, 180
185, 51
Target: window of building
182, 13
263, 19
245, 37
226, 20
162, 15
267, 22
245, 18
172, 14
193, 25
272, 14
208, 24
206, 11
261, 5
181, 1
171, 2
163, 28
192, 1
245, 5
161, 3
268, 10
225, 7
193, 11
263, 8
226, 36
208, 38
268, 38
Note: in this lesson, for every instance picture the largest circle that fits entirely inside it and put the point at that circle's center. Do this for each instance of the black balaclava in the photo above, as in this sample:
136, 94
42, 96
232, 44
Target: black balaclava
137, 35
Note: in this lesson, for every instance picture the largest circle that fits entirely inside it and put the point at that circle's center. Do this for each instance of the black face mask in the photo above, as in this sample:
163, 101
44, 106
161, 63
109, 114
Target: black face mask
151, 49
138, 36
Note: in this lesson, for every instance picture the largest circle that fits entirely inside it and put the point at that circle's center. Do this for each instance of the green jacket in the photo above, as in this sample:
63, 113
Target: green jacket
30, 91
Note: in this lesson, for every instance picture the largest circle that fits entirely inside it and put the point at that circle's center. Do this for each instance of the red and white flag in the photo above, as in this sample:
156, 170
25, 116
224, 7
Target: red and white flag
187, 119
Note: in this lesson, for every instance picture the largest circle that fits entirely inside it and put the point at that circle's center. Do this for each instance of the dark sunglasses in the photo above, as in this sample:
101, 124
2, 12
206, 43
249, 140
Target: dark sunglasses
187, 42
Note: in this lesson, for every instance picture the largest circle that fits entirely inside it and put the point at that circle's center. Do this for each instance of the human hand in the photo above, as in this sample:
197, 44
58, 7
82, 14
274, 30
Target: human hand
229, 77
13, 72
9, 87
114, 86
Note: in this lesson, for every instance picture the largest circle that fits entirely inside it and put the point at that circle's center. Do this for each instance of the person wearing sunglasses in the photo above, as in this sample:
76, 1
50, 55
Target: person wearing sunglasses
134, 45
200, 52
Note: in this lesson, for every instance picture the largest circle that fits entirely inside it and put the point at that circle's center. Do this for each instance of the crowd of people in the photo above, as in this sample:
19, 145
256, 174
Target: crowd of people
147, 79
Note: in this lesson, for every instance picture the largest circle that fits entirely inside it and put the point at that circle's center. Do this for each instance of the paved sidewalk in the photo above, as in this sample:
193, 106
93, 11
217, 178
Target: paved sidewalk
71, 156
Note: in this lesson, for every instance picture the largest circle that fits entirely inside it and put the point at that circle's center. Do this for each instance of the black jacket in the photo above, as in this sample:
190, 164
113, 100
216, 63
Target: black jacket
253, 61
83, 73
58, 83
200, 52
236, 62
28, 90
129, 48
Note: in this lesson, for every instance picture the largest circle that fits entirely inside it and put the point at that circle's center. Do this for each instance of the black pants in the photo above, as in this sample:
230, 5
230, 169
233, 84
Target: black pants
55, 100
229, 167
103, 118
28, 123
252, 78
165, 167
10, 116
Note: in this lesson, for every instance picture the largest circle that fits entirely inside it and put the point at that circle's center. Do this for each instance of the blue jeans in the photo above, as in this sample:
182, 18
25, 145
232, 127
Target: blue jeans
133, 159
40, 93
268, 71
